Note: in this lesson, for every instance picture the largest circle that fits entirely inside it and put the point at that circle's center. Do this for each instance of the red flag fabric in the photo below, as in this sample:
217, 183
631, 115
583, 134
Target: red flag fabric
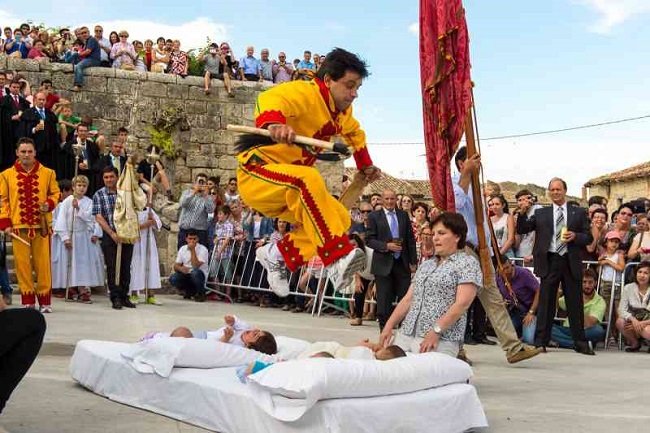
446, 89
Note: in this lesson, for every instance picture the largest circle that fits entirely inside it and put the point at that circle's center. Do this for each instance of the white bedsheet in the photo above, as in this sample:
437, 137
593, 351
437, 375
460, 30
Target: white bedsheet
216, 400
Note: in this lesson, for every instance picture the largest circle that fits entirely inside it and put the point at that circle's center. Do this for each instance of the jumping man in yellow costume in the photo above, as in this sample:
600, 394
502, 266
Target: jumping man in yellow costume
29, 194
279, 180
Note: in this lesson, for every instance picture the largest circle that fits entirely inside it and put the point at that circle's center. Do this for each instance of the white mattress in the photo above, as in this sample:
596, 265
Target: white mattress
216, 400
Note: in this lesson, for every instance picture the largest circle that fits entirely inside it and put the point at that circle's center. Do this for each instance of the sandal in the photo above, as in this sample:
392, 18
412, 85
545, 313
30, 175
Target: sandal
633, 349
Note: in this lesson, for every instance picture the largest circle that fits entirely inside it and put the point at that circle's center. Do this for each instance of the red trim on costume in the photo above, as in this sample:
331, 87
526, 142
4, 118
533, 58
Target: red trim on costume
325, 93
5, 223
362, 158
44, 299
27, 298
306, 195
334, 249
290, 253
271, 116
50, 205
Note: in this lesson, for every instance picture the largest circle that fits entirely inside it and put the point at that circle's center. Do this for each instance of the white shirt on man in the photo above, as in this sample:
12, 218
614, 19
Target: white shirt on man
103, 43
184, 257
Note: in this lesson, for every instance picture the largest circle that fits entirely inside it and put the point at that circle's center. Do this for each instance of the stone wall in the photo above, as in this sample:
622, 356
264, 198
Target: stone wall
621, 192
116, 98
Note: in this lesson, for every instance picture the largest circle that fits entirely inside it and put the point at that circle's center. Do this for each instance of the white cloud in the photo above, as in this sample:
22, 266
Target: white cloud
192, 34
415, 28
615, 12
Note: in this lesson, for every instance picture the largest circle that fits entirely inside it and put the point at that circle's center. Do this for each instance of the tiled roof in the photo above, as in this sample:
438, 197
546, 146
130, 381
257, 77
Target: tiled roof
641, 170
387, 181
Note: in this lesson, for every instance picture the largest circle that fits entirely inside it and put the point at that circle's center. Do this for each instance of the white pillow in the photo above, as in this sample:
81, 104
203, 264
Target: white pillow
288, 389
290, 348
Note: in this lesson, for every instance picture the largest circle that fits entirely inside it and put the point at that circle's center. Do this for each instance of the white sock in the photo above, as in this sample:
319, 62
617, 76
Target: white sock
275, 254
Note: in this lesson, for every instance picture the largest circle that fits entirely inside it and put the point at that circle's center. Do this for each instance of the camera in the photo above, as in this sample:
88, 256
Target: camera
201, 182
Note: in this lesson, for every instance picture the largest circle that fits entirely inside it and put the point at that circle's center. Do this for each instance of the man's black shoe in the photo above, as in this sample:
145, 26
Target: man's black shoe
117, 304
485, 341
584, 347
127, 303
470, 341
200, 297
187, 296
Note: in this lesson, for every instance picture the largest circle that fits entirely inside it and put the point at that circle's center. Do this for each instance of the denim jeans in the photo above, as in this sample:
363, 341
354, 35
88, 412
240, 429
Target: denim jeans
192, 283
5, 287
562, 335
79, 70
526, 333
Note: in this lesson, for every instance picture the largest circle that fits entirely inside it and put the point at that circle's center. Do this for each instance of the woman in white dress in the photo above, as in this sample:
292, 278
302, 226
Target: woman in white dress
504, 225
149, 224
87, 269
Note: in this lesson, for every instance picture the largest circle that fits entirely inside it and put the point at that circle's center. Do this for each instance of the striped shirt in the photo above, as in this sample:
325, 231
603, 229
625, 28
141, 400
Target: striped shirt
194, 210
104, 205
224, 231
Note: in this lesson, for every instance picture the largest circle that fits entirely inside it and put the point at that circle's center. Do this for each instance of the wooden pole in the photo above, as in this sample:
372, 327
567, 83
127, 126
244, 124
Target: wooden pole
477, 198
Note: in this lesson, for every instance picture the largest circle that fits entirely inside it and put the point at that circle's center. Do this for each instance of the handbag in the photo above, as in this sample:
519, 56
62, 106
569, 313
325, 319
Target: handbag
640, 314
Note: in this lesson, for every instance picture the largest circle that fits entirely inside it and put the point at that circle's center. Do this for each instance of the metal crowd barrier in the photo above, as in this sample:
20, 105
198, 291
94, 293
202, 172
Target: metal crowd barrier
240, 271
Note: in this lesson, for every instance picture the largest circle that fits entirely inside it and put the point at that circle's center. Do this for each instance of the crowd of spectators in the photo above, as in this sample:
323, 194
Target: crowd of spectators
83, 49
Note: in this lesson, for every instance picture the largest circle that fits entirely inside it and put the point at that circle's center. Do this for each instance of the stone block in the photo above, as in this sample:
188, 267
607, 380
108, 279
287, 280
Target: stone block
215, 109
207, 150
101, 72
177, 91
190, 81
227, 162
33, 65
94, 84
201, 135
195, 107
61, 67
153, 89
3, 62
195, 160
248, 111
35, 79
130, 75
233, 111
16, 64
204, 121
156, 77
196, 94
182, 174
224, 137
172, 212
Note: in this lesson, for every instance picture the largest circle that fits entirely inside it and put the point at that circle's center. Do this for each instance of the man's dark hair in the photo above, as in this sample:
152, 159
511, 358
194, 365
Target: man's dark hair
122, 129
599, 210
231, 179
307, 51
25, 140
355, 237
505, 259
159, 39
3, 73
454, 222
65, 185
573, 203
109, 169
265, 343
46, 81
215, 179
522, 193
85, 125
225, 209
169, 40
203, 175
191, 232
15, 80
338, 61
597, 199
395, 351
590, 273
461, 155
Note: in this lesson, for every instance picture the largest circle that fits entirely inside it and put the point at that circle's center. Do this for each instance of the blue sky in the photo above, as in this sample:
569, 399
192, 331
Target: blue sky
537, 66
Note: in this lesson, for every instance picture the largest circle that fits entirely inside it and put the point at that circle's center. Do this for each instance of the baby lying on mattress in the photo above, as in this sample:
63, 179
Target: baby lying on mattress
236, 332
332, 349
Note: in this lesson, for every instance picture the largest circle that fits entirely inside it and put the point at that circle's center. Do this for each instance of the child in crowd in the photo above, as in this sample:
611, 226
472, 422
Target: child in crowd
235, 332
224, 232
67, 123
77, 229
146, 275
612, 263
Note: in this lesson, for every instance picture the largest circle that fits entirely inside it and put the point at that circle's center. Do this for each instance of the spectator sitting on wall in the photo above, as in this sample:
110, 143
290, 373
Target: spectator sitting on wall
231, 60
140, 57
282, 71
123, 53
178, 62
90, 56
249, 66
160, 57
159, 175
104, 45
36, 52
16, 47
266, 66
216, 66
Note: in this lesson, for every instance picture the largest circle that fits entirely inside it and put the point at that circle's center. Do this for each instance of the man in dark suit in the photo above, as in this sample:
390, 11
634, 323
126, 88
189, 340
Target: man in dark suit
390, 235
561, 233
116, 158
39, 124
12, 107
89, 155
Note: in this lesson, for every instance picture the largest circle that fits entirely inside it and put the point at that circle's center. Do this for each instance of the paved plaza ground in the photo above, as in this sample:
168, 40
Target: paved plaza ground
558, 392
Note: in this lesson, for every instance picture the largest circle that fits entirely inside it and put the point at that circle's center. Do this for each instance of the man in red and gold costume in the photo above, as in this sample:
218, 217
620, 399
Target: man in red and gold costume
279, 180
29, 193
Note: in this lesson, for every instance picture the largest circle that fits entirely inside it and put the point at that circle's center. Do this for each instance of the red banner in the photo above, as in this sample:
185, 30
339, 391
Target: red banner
446, 89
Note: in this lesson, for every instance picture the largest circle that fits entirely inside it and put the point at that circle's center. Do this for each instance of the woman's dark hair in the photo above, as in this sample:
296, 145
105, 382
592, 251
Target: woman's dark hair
338, 61
160, 39
265, 343
110, 35
643, 264
599, 210
626, 205
596, 199
360, 243
456, 223
275, 225
503, 201
421, 205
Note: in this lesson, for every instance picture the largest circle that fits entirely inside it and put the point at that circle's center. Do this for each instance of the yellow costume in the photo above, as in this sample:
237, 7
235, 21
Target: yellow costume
22, 194
279, 180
